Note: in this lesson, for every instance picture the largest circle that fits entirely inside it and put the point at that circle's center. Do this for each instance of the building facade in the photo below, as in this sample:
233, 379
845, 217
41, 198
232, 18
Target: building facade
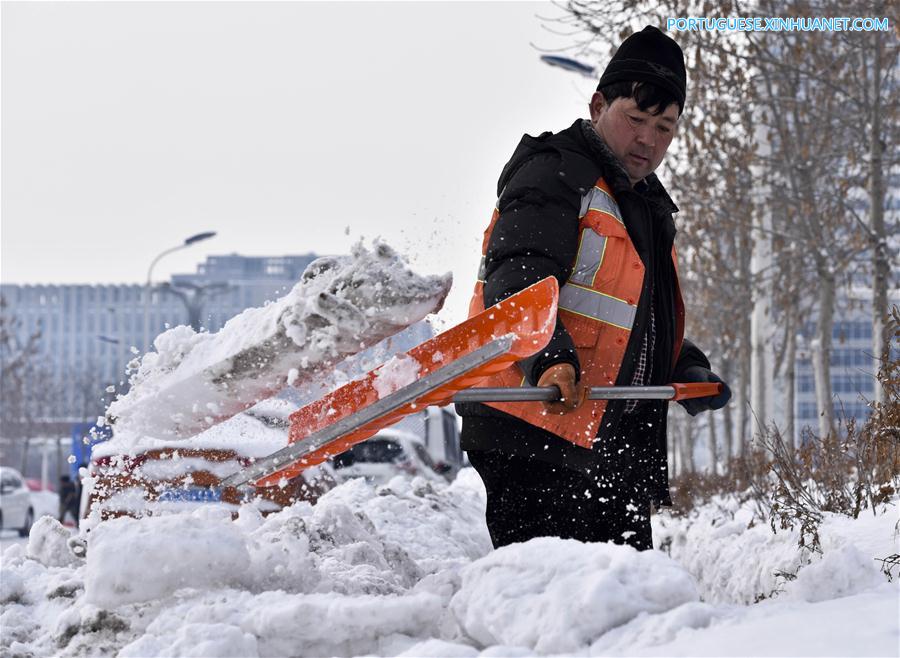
853, 366
90, 332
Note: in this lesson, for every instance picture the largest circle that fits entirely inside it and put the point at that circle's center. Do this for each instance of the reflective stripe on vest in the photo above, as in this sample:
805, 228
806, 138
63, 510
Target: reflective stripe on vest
597, 306
590, 256
599, 200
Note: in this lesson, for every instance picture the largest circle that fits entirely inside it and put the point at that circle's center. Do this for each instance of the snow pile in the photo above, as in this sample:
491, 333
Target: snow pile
310, 580
844, 571
736, 558
556, 596
439, 526
202, 550
407, 569
340, 306
49, 543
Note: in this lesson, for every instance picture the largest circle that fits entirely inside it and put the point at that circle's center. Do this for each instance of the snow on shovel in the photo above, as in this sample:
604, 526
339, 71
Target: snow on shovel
341, 306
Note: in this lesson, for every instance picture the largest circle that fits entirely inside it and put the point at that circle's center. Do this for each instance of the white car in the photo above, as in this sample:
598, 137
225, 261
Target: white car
16, 508
390, 452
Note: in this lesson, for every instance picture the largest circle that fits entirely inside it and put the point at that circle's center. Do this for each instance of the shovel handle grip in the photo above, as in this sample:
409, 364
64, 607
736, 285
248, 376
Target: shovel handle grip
551, 393
696, 390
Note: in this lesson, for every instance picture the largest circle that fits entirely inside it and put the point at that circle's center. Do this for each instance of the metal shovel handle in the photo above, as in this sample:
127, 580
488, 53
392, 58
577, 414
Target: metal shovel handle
551, 393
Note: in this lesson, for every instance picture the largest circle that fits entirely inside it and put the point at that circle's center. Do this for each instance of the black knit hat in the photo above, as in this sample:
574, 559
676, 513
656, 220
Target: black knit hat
649, 56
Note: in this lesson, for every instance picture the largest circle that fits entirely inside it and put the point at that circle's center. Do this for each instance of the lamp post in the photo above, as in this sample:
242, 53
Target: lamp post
119, 342
194, 295
199, 237
118, 369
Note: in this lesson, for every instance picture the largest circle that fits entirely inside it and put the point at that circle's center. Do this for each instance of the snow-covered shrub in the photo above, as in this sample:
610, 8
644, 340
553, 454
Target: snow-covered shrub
746, 477
853, 469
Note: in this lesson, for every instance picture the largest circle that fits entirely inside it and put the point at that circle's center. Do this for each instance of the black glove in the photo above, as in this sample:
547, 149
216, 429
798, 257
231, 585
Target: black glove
698, 374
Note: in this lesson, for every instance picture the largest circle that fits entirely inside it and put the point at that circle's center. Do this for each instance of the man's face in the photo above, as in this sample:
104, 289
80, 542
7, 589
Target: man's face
638, 139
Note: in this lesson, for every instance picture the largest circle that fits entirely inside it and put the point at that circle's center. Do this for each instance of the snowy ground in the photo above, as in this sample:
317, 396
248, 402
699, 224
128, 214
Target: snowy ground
407, 569
10, 537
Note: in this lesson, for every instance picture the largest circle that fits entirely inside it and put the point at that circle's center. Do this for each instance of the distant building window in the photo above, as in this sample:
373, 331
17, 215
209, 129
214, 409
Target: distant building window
806, 411
847, 357
843, 331
858, 410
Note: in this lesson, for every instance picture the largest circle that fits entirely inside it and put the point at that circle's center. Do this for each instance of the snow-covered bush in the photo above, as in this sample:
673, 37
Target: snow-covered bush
853, 469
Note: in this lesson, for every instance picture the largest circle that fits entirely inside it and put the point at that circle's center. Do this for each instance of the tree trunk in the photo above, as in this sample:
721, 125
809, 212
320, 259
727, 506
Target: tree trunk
790, 376
761, 321
675, 450
821, 352
713, 446
762, 359
880, 265
728, 439
743, 404
688, 446
745, 341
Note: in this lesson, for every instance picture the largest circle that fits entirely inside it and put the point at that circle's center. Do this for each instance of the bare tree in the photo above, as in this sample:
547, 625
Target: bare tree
871, 95
27, 388
25, 384
713, 445
828, 96
89, 388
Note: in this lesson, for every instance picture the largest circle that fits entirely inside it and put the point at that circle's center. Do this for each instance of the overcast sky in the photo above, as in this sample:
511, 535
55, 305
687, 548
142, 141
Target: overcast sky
286, 127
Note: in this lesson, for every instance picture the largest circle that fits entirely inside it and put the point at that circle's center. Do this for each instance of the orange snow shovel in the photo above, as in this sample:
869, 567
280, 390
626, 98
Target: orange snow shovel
439, 371
450, 362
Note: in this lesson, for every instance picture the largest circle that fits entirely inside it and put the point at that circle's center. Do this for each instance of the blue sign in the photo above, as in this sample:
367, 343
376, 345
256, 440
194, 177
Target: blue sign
191, 494
84, 437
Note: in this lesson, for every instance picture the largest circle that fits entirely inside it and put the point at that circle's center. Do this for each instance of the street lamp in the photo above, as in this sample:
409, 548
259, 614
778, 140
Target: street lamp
193, 296
199, 237
569, 64
119, 342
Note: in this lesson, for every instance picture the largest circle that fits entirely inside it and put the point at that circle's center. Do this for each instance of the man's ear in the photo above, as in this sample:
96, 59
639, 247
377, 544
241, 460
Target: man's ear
597, 106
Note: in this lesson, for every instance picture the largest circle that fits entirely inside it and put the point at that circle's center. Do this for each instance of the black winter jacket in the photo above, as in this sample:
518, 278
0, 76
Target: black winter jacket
536, 235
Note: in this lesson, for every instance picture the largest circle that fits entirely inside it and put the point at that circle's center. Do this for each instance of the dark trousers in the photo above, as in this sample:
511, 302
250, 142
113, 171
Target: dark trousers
527, 498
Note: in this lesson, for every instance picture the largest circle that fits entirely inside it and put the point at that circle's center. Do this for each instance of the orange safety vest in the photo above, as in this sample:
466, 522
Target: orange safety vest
597, 306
